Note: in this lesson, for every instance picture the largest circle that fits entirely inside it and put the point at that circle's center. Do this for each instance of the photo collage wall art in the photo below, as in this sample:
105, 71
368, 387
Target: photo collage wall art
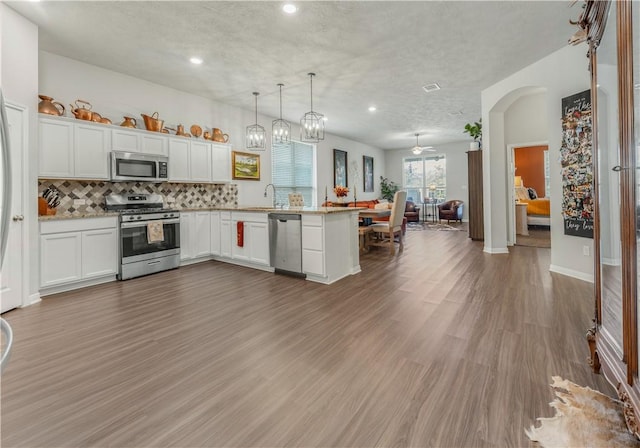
575, 158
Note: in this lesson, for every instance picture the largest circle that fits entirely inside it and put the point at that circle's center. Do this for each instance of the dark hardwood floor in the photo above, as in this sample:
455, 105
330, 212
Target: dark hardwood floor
442, 345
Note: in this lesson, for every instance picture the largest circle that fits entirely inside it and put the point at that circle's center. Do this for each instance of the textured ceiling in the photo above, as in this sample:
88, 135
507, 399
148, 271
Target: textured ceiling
364, 53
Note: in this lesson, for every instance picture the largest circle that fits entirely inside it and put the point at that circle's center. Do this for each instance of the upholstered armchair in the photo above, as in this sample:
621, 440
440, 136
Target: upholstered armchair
411, 212
451, 210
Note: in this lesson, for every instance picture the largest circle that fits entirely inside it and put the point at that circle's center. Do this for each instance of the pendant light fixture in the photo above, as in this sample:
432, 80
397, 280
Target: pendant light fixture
280, 129
417, 150
312, 123
256, 133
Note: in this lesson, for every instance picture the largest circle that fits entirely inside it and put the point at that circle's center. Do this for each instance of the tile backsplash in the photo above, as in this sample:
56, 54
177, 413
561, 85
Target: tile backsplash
176, 195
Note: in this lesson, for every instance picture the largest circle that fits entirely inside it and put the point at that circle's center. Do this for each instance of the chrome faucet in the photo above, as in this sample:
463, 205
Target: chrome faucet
274, 193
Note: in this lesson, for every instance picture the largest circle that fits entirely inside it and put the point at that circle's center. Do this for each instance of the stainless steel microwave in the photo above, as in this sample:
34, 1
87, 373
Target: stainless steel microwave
142, 167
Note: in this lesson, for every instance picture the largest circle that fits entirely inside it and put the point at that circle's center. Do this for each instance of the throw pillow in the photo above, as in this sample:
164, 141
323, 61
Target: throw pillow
532, 193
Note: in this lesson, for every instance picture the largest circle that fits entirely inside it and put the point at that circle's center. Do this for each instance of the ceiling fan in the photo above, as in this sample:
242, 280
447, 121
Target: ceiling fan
417, 150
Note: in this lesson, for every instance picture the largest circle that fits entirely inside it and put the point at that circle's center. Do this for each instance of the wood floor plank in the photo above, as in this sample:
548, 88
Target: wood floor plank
441, 345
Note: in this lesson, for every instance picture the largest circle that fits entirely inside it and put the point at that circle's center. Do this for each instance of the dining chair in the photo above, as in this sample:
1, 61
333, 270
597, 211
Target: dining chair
296, 200
387, 231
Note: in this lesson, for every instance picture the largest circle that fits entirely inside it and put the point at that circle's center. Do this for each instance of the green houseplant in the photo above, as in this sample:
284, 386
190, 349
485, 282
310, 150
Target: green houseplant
388, 188
475, 131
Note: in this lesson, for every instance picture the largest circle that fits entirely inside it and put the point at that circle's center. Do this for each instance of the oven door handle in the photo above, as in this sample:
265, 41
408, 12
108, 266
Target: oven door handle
130, 225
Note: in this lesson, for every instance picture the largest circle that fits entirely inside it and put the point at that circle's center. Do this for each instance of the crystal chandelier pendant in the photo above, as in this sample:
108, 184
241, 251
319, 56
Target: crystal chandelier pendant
256, 135
312, 123
280, 129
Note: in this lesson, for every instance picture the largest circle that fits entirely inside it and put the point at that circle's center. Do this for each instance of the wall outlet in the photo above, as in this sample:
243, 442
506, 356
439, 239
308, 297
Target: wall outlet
79, 202
585, 251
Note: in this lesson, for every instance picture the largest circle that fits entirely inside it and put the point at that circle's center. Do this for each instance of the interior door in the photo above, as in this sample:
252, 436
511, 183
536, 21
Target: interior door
609, 186
11, 275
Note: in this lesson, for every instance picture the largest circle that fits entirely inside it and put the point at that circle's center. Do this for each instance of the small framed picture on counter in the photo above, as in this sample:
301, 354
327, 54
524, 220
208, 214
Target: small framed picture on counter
246, 166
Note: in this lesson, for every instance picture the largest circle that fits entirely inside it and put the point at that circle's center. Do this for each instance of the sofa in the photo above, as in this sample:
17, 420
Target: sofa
374, 203
411, 212
451, 210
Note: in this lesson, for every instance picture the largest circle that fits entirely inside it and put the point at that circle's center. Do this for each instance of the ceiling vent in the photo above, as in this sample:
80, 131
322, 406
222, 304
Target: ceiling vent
431, 87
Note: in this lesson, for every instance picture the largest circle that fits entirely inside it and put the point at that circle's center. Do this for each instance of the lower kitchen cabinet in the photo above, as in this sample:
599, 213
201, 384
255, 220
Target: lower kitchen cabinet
255, 238
195, 235
215, 233
78, 250
225, 234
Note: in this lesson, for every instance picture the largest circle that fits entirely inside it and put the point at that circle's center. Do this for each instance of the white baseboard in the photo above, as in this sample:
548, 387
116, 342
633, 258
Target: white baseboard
495, 250
571, 273
33, 299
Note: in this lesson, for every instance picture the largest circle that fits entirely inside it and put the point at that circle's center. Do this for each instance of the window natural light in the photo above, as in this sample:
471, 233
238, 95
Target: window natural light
424, 178
293, 170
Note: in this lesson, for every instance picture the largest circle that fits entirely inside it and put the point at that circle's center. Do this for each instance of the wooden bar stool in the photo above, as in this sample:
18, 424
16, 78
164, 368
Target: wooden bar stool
365, 234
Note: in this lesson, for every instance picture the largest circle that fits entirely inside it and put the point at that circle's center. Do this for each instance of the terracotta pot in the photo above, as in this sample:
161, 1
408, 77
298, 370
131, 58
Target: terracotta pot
48, 106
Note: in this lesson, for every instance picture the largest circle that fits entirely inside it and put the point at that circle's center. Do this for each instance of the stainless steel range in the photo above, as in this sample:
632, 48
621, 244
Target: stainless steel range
149, 234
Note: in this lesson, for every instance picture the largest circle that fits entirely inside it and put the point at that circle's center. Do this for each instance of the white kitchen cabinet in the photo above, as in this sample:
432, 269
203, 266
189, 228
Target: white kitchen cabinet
91, 151
179, 160
99, 252
200, 162
154, 143
71, 149
202, 234
255, 248
225, 234
189, 161
195, 235
56, 148
313, 245
137, 140
60, 258
215, 233
77, 252
220, 162
186, 233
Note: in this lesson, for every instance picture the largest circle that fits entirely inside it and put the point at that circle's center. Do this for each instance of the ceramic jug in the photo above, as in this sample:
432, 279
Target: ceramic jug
48, 106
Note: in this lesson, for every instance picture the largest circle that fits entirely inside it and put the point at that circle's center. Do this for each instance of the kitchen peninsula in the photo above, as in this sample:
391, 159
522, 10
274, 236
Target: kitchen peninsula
231, 234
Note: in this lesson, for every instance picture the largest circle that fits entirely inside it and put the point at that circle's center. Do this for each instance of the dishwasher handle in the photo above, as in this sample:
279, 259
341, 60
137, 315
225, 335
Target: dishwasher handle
283, 217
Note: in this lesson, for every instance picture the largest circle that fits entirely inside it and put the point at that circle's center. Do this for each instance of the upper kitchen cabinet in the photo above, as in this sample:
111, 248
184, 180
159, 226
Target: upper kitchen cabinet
189, 161
220, 162
73, 150
133, 140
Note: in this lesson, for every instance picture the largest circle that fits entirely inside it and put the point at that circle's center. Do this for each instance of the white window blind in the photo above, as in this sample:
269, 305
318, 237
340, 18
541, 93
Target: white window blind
293, 171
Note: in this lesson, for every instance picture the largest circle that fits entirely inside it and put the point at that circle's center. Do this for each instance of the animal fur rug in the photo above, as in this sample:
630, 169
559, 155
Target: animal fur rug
584, 418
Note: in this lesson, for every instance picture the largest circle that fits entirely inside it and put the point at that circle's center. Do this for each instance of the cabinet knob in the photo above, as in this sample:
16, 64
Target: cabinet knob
18, 218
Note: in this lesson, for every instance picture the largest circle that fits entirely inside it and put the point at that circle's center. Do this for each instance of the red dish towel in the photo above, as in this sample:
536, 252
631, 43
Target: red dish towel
240, 234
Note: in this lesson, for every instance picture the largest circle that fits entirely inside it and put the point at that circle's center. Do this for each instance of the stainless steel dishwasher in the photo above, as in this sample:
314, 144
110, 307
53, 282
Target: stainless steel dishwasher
285, 241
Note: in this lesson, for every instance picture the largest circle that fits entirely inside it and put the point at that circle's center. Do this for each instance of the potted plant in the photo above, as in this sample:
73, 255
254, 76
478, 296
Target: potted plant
388, 188
475, 131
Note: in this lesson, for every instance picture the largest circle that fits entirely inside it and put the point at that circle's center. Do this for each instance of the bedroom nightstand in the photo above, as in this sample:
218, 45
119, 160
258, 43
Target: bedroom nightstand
521, 219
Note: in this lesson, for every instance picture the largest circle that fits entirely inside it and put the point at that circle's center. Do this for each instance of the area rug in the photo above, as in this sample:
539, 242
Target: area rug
431, 226
584, 418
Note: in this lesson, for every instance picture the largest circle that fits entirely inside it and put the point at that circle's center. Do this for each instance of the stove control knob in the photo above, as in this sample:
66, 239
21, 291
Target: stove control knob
139, 217
166, 216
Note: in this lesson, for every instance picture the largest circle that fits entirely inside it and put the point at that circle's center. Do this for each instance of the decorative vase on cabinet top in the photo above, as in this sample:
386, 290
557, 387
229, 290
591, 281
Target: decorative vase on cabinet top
129, 122
48, 106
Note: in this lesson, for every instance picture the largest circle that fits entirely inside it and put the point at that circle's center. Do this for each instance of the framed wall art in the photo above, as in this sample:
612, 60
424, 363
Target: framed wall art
245, 166
340, 168
367, 164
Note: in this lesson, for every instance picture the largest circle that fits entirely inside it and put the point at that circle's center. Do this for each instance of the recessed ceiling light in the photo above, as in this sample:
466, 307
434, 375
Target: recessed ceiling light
196, 60
372, 108
289, 8
431, 87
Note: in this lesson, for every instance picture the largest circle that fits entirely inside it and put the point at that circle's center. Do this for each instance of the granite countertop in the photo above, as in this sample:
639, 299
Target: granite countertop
77, 216
257, 209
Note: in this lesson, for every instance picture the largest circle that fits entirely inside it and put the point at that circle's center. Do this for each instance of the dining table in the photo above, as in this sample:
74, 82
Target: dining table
368, 215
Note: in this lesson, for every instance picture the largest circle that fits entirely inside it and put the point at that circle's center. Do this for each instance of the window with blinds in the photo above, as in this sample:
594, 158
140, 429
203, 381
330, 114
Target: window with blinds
293, 171
424, 178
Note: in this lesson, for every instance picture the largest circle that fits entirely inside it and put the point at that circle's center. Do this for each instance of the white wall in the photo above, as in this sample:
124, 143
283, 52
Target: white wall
457, 169
526, 120
19, 68
562, 73
114, 95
